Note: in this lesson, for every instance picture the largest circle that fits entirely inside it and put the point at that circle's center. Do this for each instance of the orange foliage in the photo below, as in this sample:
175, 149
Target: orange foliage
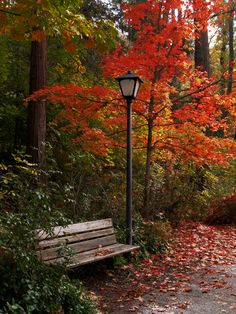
86, 114
181, 105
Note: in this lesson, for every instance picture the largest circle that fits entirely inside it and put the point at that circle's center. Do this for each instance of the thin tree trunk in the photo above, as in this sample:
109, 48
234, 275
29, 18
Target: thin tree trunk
231, 50
147, 177
222, 56
36, 119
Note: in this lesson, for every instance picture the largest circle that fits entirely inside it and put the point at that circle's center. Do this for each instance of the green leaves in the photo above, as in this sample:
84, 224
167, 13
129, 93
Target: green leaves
27, 285
35, 19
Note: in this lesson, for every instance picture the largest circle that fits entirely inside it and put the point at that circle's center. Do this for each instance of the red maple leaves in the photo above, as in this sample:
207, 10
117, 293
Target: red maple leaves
179, 110
198, 262
180, 106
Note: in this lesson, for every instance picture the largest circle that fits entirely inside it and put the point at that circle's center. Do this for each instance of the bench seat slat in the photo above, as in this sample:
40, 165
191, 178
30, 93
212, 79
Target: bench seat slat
74, 238
96, 254
75, 228
77, 247
82, 243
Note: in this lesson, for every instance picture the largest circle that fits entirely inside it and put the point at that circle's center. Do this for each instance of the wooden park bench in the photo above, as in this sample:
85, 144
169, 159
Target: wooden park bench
85, 243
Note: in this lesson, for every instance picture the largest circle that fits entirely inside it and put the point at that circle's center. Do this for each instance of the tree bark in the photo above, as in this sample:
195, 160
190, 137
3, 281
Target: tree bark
202, 55
223, 55
36, 115
201, 52
231, 50
147, 177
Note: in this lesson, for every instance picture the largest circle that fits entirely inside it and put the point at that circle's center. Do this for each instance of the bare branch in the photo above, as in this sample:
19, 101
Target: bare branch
223, 12
199, 90
10, 12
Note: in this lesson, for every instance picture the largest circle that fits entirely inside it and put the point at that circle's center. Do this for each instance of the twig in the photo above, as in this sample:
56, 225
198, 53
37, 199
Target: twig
199, 90
10, 12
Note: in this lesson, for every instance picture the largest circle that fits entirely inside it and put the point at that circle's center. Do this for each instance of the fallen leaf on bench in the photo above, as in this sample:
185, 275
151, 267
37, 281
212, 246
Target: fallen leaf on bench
103, 252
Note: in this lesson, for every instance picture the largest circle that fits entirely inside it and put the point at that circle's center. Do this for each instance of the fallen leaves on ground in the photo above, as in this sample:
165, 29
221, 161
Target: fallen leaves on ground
195, 249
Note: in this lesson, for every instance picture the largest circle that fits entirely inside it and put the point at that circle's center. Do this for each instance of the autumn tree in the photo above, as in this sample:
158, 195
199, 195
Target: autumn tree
160, 55
175, 106
36, 21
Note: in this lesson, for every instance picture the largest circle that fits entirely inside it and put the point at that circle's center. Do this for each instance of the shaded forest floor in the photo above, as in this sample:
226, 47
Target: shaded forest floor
197, 275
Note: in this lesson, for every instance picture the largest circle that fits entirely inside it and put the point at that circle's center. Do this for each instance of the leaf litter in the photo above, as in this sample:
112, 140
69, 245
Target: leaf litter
199, 256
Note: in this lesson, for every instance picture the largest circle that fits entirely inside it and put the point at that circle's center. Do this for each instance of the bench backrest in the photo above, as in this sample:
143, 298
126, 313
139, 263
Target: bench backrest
80, 237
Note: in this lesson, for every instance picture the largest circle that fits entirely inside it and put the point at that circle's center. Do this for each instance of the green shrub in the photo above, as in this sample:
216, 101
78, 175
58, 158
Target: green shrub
151, 236
156, 235
27, 285
180, 192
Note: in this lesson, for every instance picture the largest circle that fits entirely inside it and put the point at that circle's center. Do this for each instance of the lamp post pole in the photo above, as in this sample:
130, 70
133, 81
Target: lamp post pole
129, 172
129, 85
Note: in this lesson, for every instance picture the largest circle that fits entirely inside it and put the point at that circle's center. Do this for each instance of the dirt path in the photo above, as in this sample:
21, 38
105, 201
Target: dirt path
196, 276
218, 295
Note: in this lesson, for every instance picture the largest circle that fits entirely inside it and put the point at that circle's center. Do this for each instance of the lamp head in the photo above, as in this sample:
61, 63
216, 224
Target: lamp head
129, 84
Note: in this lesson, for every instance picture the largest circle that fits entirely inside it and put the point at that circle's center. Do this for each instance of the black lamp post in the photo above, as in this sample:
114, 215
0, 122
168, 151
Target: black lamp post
129, 85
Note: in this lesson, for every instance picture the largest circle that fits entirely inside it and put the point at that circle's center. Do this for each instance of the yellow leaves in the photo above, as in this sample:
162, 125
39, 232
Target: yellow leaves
34, 172
198, 82
3, 167
68, 41
109, 162
82, 69
34, 20
78, 65
59, 69
228, 102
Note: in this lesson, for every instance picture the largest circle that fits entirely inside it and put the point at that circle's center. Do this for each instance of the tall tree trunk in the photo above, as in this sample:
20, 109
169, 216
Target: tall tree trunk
202, 55
147, 177
231, 49
223, 55
201, 52
36, 119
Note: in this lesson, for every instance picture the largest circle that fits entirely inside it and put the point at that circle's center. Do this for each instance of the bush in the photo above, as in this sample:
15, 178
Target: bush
27, 285
223, 211
180, 192
151, 236
156, 235
175, 192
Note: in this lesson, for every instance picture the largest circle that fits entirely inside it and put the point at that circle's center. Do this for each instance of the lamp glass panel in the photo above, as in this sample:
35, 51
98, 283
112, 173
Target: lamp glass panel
136, 88
127, 87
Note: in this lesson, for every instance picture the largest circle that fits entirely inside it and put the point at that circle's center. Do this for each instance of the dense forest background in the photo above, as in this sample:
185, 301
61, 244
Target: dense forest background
63, 126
